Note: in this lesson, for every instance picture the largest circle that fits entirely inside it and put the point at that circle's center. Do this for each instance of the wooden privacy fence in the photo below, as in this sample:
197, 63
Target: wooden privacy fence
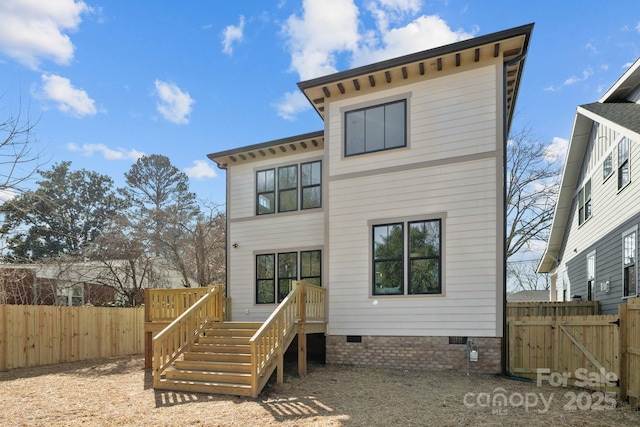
551, 308
597, 352
33, 335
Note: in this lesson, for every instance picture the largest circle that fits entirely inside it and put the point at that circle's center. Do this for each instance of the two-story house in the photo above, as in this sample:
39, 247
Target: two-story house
592, 249
396, 207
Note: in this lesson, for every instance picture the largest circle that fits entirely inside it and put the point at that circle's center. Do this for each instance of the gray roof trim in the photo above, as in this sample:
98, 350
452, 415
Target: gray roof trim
421, 56
627, 82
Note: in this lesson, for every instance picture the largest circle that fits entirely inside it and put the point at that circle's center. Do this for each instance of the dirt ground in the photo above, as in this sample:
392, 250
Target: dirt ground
118, 392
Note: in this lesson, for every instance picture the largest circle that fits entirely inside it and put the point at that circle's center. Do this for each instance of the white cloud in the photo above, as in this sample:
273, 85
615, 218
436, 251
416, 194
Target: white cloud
174, 104
327, 27
291, 104
573, 80
200, 170
425, 32
557, 150
638, 27
108, 153
6, 195
34, 30
231, 34
69, 99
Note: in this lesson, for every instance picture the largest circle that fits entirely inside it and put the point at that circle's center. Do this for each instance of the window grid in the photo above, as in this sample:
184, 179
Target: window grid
377, 128
272, 281
623, 163
265, 191
311, 185
290, 196
584, 196
288, 188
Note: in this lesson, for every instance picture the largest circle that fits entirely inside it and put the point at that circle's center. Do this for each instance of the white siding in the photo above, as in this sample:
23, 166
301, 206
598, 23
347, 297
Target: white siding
450, 117
272, 233
610, 207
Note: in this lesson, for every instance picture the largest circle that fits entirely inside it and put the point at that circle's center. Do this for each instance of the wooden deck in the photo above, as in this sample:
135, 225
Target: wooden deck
191, 347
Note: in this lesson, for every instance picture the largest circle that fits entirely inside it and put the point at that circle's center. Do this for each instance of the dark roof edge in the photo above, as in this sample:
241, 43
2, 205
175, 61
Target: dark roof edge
315, 134
419, 56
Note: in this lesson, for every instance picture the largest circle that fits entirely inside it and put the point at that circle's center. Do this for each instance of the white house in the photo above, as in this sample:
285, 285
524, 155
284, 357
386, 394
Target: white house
592, 249
396, 207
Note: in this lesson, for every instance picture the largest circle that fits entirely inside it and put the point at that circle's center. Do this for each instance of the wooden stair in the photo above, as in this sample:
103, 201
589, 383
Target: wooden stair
218, 362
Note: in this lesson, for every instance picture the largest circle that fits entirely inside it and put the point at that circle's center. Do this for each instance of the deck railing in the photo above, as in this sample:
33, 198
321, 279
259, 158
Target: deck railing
165, 305
182, 332
270, 342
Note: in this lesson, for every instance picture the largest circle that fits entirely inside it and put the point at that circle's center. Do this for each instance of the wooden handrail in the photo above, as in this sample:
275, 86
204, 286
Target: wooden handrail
305, 302
182, 332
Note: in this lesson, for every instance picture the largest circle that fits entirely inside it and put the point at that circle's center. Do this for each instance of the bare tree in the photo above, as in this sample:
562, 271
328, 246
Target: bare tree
206, 254
19, 157
532, 188
524, 276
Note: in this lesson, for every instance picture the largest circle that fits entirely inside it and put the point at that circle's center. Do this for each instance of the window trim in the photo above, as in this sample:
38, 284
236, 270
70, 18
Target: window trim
441, 216
591, 279
632, 231
622, 164
610, 158
584, 203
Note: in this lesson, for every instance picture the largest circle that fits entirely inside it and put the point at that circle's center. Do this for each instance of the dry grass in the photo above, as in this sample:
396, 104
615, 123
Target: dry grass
118, 392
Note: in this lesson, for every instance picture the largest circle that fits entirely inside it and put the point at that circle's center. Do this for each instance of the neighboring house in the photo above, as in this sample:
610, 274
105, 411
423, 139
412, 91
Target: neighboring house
593, 245
533, 295
396, 207
81, 283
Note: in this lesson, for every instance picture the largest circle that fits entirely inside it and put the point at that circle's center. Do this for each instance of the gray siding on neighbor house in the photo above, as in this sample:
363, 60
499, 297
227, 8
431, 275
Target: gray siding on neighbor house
608, 268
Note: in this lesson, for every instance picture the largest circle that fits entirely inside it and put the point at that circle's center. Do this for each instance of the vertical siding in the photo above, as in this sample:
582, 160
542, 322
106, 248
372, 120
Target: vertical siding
452, 167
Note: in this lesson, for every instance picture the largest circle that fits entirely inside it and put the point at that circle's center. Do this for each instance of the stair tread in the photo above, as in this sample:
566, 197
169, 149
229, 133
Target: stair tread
206, 383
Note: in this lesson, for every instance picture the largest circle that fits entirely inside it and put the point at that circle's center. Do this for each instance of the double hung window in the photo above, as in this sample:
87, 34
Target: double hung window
407, 258
286, 191
623, 163
584, 203
629, 279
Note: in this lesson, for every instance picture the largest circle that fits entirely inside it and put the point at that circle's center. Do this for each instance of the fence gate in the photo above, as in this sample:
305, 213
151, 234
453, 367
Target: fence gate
582, 348
630, 315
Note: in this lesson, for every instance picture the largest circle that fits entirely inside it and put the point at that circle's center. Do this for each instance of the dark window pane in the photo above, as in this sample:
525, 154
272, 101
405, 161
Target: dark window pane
388, 278
287, 271
354, 132
266, 203
266, 181
265, 275
311, 267
288, 177
266, 292
284, 287
387, 241
395, 125
374, 129
424, 276
424, 239
288, 200
311, 198
311, 174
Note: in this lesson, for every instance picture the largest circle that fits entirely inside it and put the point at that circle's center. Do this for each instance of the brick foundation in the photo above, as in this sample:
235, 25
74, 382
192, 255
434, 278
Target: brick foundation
409, 353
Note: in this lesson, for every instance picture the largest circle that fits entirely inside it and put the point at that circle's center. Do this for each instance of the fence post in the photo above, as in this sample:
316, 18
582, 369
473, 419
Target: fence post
148, 335
624, 326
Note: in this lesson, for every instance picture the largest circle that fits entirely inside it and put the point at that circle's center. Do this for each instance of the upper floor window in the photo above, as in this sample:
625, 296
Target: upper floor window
623, 162
422, 262
377, 128
584, 203
607, 167
284, 183
629, 240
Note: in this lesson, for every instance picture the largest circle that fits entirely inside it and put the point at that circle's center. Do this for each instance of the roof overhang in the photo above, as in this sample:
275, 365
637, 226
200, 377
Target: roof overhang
508, 45
624, 85
295, 144
573, 163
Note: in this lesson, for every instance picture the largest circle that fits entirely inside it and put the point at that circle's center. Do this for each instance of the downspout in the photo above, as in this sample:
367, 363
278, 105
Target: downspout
505, 131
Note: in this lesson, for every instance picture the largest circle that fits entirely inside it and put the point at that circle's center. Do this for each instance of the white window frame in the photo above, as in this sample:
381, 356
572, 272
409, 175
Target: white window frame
591, 276
585, 210
624, 161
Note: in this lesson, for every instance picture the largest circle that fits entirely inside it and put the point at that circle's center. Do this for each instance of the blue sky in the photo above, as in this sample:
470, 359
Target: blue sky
108, 81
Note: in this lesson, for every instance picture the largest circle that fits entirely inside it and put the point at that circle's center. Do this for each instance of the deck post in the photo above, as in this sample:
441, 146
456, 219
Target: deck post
623, 327
302, 350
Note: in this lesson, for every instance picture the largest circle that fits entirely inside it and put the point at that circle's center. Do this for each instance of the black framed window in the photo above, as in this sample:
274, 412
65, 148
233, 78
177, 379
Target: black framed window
311, 185
265, 192
377, 128
288, 188
311, 267
623, 163
265, 279
276, 272
584, 203
424, 257
629, 265
388, 269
